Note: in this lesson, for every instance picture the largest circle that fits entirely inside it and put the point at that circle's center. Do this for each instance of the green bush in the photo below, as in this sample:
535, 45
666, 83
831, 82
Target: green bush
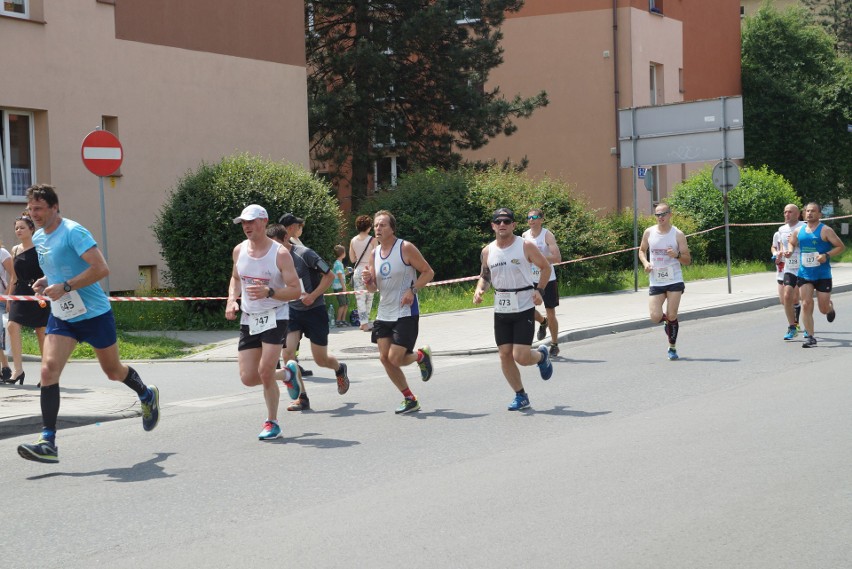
577, 228
195, 225
759, 197
433, 210
448, 216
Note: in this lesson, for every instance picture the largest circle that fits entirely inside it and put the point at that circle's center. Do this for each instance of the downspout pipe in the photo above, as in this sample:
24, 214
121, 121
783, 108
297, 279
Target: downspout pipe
617, 100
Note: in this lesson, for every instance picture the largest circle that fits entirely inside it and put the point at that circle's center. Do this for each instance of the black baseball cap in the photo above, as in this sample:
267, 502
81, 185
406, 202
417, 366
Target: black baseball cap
503, 213
289, 219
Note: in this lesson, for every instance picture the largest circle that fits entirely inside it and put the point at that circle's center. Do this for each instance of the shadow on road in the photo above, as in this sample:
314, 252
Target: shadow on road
148, 470
307, 440
564, 411
447, 414
348, 410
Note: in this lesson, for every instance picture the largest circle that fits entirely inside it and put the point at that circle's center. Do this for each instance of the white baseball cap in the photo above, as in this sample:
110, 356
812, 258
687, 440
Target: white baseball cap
251, 212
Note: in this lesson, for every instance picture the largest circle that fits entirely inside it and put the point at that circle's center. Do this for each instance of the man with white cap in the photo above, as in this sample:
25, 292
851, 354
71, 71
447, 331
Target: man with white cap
264, 279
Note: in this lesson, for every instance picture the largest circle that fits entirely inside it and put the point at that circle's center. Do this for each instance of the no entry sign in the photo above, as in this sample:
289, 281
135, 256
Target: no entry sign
102, 153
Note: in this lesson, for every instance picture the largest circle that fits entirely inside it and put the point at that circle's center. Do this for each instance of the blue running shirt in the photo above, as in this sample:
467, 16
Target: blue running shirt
60, 257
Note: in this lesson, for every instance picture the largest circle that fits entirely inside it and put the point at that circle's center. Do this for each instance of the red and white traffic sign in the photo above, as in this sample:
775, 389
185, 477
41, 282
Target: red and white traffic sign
102, 153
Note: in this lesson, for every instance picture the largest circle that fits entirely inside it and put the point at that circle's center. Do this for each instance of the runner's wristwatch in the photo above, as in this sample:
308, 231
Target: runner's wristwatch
271, 293
66, 286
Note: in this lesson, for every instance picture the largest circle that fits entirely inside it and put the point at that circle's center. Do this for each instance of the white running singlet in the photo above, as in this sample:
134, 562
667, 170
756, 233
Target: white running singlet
511, 272
541, 243
263, 271
665, 270
791, 263
393, 277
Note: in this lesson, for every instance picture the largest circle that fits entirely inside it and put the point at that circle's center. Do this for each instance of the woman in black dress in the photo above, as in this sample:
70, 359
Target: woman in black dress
24, 312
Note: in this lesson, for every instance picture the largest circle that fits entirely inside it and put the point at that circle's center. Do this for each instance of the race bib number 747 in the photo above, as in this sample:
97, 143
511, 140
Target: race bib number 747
262, 321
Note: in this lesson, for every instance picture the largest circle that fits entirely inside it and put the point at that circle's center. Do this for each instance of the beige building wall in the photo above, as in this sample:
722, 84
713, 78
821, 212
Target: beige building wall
174, 107
570, 55
568, 49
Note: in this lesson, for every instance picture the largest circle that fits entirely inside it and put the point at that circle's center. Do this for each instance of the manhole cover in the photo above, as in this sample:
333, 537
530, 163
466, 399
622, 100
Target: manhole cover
361, 350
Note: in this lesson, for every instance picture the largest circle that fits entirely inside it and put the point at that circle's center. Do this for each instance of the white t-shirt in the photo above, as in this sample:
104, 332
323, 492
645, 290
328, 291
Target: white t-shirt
4, 274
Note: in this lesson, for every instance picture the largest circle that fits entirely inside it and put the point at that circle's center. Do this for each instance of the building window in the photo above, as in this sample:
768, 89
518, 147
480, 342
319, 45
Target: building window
17, 8
387, 171
110, 124
742, 12
653, 84
655, 6
17, 154
467, 11
657, 91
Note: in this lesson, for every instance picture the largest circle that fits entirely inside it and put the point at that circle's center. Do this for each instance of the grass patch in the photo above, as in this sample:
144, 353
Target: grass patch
130, 347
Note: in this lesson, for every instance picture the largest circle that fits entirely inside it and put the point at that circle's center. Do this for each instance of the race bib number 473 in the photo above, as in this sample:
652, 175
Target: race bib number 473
505, 302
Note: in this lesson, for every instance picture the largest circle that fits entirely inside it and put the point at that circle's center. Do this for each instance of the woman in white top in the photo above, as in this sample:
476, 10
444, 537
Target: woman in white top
5, 271
360, 250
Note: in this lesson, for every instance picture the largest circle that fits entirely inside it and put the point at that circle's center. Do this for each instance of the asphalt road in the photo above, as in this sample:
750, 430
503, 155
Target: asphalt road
738, 455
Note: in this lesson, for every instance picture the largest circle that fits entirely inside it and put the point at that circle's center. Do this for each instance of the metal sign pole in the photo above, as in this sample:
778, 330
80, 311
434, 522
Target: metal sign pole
635, 208
104, 230
727, 189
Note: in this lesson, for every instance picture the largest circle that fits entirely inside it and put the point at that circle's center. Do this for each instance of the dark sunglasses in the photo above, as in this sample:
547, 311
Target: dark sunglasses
533, 217
502, 221
662, 214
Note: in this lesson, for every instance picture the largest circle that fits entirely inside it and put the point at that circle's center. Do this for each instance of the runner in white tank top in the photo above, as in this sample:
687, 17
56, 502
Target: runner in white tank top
506, 265
789, 269
546, 243
662, 252
398, 271
265, 279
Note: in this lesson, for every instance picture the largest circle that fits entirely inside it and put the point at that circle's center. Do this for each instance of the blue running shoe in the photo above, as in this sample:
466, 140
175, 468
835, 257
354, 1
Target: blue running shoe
806, 335
672, 354
791, 333
519, 402
151, 409
425, 364
42, 451
270, 431
545, 368
294, 385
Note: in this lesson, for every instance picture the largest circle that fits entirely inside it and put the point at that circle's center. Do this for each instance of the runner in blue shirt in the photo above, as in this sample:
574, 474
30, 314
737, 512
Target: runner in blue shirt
79, 312
817, 243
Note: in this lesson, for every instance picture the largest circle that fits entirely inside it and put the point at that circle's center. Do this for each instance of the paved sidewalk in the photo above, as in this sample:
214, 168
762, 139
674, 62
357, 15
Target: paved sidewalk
453, 333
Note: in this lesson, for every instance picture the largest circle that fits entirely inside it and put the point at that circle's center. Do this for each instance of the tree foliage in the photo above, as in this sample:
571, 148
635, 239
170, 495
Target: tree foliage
836, 17
797, 102
759, 198
195, 225
448, 216
406, 78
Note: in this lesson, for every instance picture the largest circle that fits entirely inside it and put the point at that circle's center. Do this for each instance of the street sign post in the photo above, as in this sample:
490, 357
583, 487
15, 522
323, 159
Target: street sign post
102, 155
696, 131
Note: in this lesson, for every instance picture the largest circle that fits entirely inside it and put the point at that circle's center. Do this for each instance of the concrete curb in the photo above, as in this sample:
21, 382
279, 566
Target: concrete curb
16, 426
